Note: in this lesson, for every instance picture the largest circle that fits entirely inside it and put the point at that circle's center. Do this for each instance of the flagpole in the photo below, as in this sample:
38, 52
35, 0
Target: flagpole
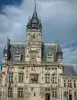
7, 87
8, 81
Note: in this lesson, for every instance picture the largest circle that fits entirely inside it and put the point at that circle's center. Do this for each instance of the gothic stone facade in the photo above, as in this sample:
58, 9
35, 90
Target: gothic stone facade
35, 69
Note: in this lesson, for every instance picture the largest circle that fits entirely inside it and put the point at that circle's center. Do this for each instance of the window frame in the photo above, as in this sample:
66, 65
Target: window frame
54, 93
10, 92
34, 78
47, 78
20, 92
10, 77
21, 77
54, 78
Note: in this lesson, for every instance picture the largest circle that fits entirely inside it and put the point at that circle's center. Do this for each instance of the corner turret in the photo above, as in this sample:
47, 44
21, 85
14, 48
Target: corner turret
59, 54
7, 52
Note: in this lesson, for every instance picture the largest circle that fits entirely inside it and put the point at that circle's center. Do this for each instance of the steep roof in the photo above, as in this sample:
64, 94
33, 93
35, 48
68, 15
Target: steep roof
68, 69
17, 47
34, 21
35, 16
50, 49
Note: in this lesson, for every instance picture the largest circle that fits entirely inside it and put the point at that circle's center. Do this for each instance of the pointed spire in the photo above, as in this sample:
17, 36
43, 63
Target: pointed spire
34, 21
35, 12
35, 2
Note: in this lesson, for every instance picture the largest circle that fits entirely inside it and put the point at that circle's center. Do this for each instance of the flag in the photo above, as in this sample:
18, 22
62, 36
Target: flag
4, 73
8, 70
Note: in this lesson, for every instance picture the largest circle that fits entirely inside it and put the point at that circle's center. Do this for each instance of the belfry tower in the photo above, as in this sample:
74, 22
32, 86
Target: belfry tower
34, 39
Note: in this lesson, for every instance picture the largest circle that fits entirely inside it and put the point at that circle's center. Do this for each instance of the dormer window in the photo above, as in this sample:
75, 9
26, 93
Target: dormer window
50, 57
17, 56
34, 78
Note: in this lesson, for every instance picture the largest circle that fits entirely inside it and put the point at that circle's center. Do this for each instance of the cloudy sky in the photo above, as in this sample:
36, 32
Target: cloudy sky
59, 20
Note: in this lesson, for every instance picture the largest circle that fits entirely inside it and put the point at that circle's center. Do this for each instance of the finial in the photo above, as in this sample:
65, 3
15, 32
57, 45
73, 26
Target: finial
35, 2
7, 37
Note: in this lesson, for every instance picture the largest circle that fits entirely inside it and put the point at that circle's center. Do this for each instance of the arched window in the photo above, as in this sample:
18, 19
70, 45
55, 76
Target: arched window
33, 36
47, 96
70, 96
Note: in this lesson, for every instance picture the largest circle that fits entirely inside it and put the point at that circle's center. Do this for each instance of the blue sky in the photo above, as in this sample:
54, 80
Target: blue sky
10, 2
59, 19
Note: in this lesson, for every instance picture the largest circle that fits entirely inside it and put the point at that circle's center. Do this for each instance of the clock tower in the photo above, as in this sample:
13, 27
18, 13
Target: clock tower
34, 39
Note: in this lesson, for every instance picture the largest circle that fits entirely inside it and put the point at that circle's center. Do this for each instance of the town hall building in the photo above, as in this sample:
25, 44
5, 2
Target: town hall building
33, 70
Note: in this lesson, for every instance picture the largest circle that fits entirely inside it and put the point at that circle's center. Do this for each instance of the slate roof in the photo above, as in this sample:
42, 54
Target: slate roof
20, 47
68, 69
12, 48
50, 49
17, 47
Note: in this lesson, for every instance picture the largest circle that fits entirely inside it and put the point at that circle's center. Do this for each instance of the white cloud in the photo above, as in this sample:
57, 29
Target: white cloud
70, 55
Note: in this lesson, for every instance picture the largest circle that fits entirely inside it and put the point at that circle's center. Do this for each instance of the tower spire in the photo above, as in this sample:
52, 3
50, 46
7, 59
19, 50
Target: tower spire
35, 12
34, 21
35, 3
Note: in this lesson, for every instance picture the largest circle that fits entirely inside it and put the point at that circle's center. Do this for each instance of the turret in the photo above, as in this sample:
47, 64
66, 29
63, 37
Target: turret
59, 54
7, 52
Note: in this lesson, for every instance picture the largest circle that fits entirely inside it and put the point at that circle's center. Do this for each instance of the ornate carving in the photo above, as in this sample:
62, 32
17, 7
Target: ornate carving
26, 92
42, 91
